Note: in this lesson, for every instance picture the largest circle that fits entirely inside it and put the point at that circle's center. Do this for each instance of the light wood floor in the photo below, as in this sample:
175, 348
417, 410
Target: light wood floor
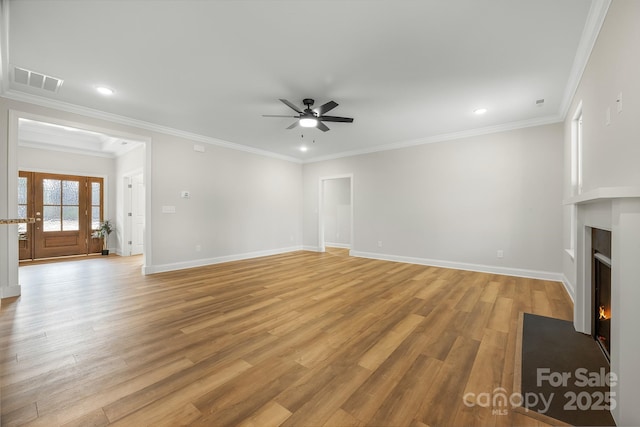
301, 339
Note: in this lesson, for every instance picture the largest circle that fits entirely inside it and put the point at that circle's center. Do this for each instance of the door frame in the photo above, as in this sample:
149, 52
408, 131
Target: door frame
105, 207
12, 181
321, 181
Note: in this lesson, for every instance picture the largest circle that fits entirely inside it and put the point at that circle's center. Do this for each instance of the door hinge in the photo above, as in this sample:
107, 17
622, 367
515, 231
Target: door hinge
130, 186
130, 242
130, 214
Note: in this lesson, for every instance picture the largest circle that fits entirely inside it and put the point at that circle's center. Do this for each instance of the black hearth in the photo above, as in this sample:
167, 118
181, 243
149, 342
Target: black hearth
601, 288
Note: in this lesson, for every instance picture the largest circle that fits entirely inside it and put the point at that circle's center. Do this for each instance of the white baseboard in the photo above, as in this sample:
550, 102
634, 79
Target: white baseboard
338, 245
569, 288
517, 272
506, 271
9, 291
152, 269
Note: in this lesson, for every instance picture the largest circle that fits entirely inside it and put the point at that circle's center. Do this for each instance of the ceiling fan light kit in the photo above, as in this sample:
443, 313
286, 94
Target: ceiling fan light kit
313, 118
308, 122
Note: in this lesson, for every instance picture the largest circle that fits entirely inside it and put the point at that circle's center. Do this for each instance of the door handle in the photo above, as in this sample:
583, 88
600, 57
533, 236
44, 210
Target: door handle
38, 219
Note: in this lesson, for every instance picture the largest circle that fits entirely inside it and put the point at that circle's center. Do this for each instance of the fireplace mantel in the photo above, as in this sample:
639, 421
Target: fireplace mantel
602, 194
616, 209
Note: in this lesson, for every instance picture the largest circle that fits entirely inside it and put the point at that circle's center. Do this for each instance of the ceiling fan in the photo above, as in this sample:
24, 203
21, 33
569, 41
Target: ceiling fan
313, 118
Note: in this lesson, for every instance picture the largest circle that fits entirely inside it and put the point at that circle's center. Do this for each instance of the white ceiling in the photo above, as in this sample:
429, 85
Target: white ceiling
52, 136
407, 71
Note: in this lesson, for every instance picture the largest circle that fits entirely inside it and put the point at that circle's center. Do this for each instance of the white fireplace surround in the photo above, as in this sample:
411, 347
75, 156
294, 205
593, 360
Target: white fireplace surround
616, 209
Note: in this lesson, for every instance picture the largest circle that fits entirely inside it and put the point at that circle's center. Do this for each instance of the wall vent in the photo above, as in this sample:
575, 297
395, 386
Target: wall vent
36, 80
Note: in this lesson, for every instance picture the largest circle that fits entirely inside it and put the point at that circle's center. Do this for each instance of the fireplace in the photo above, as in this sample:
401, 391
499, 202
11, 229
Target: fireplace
601, 288
616, 209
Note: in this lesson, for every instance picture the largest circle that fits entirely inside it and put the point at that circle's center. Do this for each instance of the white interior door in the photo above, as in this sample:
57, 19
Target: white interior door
137, 214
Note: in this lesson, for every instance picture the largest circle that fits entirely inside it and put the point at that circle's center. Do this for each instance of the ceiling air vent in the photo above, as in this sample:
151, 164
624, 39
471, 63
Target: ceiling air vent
36, 80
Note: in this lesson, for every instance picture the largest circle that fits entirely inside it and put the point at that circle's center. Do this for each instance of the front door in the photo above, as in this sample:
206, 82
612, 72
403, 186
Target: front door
60, 228
67, 209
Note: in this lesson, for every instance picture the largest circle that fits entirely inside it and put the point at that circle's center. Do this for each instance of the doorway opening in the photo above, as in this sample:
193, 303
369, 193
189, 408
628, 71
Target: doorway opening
51, 146
335, 212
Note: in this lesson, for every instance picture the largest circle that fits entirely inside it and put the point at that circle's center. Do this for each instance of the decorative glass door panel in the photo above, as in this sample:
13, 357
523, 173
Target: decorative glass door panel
25, 210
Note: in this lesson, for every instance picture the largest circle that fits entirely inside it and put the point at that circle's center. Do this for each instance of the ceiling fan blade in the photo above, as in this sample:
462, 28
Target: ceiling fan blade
276, 115
322, 127
291, 105
336, 119
326, 107
293, 125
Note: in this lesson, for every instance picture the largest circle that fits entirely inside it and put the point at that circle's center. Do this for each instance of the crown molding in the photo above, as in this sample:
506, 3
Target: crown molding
443, 137
140, 124
590, 32
114, 118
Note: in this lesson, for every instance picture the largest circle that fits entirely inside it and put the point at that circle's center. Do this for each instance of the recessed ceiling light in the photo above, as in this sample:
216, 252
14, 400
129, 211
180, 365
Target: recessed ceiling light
303, 149
103, 90
479, 111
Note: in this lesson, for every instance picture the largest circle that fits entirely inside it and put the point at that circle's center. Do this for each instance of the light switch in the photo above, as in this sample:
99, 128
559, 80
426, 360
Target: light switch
619, 103
185, 194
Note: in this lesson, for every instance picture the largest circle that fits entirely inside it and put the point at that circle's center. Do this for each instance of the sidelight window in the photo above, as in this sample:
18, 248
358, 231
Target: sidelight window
96, 205
22, 203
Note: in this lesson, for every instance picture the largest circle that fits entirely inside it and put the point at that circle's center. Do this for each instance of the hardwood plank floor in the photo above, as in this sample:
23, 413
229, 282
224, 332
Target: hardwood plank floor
300, 339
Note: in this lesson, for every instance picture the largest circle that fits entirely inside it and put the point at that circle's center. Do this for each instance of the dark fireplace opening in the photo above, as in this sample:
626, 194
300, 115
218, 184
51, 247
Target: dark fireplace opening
601, 289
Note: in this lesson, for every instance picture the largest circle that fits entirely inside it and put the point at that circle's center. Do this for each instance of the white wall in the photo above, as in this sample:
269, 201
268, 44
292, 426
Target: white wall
610, 152
611, 158
242, 204
337, 212
456, 202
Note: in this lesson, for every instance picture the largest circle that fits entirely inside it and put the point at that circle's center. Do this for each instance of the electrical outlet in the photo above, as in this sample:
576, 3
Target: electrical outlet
379, 243
198, 248
500, 253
